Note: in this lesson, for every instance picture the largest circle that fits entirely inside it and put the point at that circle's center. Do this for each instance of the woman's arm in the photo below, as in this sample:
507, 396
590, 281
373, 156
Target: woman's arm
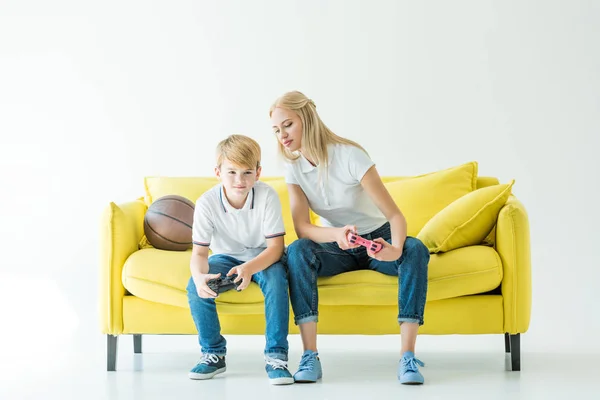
304, 228
374, 187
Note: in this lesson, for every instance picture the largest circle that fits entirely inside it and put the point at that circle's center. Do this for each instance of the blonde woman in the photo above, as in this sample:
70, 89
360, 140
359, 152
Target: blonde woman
336, 178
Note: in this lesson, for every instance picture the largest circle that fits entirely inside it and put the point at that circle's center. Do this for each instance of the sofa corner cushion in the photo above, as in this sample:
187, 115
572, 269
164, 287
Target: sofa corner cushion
467, 221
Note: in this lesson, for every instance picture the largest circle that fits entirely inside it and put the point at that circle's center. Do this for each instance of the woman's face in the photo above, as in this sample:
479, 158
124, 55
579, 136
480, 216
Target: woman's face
287, 126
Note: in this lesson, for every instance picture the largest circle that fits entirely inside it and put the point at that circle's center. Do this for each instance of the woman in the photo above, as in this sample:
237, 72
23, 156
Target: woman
336, 178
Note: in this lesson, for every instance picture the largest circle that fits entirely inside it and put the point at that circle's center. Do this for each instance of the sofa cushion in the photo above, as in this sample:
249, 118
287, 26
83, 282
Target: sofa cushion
193, 187
421, 197
188, 187
467, 221
162, 276
470, 270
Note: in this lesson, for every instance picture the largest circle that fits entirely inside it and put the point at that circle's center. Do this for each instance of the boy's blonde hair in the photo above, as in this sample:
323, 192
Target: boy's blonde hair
240, 150
315, 134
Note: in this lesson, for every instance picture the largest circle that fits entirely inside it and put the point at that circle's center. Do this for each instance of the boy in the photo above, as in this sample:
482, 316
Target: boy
240, 221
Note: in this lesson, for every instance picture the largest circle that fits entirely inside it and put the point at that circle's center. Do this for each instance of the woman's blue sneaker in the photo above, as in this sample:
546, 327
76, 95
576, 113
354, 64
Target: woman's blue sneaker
208, 366
408, 370
309, 370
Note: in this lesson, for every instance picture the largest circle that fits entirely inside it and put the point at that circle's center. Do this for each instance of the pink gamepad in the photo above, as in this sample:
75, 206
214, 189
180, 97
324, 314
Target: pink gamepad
369, 244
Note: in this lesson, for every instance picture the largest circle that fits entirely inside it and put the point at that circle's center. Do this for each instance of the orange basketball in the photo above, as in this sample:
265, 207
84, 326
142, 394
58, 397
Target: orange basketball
168, 223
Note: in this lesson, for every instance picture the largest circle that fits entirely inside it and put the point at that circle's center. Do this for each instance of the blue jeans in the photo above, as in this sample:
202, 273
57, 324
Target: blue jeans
274, 285
307, 260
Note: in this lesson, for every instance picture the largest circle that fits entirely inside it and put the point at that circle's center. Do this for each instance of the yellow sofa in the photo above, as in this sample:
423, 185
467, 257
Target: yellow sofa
478, 289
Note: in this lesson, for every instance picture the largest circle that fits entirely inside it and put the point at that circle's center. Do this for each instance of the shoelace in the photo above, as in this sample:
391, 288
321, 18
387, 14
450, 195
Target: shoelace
410, 364
209, 358
276, 363
307, 362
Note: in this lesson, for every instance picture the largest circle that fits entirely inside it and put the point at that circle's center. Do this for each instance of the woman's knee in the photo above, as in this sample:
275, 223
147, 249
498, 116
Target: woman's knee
299, 251
416, 250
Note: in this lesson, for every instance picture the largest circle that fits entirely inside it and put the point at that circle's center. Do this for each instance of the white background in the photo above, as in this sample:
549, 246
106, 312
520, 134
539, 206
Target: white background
96, 95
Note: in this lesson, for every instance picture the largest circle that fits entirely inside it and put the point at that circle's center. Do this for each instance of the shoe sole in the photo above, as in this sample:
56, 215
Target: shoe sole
407, 382
200, 377
281, 381
307, 380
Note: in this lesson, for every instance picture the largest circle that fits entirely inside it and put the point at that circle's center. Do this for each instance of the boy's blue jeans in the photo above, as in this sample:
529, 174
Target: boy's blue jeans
307, 260
274, 285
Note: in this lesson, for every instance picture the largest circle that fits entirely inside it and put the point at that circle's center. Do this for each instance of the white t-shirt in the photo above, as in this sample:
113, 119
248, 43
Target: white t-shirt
240, 233
338, 198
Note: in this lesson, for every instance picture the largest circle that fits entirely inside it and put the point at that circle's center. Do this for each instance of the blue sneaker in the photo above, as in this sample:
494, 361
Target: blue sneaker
408, 371
278, 373
309, 370
208, 366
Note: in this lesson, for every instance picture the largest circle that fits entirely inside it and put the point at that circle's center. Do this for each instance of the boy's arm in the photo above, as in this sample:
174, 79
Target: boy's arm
202, 230
265, 259
274, 230
199, 269
199, 261
268, 257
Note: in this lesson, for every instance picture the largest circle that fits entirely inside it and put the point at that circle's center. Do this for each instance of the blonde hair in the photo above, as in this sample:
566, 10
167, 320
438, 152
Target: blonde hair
240, 150
315, 134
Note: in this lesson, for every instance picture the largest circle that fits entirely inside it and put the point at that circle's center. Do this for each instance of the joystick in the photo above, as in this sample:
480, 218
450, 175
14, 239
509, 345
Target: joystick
369, 244
223, 284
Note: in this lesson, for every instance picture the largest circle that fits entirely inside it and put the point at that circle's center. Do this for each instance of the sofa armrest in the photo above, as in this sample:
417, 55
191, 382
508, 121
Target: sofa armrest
513, 246
121, 229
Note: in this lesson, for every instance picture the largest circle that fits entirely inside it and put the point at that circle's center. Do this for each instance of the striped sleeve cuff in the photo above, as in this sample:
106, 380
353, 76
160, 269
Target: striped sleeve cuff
274, 235
202, 244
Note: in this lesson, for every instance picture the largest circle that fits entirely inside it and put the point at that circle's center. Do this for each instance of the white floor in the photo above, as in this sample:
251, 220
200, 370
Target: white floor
361, 367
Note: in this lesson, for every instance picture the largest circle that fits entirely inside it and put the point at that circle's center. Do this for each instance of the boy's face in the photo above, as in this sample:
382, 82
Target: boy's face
237, 180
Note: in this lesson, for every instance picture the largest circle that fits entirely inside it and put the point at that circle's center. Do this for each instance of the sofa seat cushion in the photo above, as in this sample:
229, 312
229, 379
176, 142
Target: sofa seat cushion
460, 272
162, 276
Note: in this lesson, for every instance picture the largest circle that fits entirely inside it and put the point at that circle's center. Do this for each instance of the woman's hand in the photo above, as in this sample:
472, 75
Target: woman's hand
387, 252
341, 237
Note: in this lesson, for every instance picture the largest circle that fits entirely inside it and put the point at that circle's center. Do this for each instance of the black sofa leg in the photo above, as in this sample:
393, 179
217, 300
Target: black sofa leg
137, 344
111, 352
512, 345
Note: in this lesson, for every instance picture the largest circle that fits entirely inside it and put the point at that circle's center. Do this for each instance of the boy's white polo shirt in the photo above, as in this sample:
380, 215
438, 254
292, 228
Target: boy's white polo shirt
240, 233
338, 198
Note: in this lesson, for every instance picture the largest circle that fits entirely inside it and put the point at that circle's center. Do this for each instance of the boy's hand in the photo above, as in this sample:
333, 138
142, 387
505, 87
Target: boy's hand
387, 252
342, 237
242, 275
203, 289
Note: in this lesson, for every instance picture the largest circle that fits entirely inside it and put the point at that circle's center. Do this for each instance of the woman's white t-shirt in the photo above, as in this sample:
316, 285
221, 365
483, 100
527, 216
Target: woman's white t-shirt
338, 197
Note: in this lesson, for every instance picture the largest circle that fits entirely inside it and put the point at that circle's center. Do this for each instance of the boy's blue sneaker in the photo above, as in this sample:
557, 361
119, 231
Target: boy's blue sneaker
310, 368
208, 366
408, 370
278, 373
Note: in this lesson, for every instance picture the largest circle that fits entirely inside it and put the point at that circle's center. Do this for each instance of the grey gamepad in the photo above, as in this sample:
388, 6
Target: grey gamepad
222, 284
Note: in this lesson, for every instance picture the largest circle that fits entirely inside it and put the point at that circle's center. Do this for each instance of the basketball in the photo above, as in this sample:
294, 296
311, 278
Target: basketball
168, 223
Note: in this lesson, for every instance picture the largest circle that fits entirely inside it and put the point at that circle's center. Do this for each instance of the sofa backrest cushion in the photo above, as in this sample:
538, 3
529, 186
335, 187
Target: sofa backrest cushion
419, 197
